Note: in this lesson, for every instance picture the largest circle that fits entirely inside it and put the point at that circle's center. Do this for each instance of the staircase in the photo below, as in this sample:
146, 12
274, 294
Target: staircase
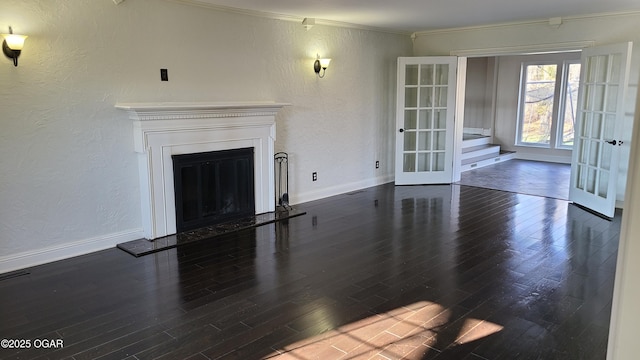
477, 152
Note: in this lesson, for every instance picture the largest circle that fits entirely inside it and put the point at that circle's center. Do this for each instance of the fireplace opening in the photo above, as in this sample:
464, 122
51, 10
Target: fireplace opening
213, 187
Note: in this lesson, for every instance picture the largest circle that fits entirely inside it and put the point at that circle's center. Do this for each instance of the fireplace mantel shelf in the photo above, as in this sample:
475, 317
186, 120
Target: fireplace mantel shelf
187, 110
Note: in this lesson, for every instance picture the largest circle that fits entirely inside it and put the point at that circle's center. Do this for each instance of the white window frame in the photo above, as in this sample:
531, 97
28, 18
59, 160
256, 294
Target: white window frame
563, 104
555, 136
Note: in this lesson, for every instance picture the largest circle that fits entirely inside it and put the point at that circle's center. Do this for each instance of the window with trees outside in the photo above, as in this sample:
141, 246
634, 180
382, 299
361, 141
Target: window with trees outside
548, 104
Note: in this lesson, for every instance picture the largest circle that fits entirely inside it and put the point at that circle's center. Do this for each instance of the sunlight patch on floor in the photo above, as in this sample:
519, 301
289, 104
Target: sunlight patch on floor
408, 332
474, 329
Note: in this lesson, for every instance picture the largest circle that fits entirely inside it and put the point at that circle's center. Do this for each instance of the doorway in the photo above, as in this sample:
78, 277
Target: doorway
492, 156
598, 115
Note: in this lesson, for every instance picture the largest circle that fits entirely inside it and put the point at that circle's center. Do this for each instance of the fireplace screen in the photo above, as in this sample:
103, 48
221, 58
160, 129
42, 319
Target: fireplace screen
213, 187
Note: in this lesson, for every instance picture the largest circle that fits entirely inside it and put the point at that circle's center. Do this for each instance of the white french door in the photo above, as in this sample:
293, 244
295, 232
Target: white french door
426, 97
597, 140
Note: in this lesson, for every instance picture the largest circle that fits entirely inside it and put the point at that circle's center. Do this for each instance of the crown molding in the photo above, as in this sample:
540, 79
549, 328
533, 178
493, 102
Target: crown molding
524, 23
526, 49
290, 18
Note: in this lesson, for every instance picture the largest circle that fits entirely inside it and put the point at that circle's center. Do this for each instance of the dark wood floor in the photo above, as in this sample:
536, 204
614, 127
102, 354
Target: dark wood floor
417, 272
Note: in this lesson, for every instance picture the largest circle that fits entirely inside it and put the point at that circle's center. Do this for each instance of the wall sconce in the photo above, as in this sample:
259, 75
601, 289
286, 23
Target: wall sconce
12, 45
321, 64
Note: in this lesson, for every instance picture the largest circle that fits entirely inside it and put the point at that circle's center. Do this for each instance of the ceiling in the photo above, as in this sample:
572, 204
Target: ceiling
421, 15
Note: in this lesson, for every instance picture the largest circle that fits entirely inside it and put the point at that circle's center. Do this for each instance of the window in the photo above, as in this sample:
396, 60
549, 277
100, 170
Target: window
548, 101
567, 118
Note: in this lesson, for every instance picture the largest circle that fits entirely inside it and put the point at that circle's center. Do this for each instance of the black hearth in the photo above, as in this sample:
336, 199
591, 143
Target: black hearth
213, 187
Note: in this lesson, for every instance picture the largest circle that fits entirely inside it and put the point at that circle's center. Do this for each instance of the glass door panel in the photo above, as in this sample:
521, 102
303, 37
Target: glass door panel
594, 167
425, 120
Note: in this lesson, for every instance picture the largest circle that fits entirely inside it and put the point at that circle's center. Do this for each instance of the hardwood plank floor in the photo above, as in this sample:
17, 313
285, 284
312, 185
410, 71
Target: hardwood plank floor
416, 272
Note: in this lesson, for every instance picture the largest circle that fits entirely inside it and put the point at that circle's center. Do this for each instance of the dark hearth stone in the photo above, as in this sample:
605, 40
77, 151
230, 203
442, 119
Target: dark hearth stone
142, 247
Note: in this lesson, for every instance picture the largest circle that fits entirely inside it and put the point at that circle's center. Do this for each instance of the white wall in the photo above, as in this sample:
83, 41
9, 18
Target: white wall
479, 93
69, 181
625, 313
517, 38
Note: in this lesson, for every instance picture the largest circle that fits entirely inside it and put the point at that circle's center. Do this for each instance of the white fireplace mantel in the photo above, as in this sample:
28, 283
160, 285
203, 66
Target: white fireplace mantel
170, 128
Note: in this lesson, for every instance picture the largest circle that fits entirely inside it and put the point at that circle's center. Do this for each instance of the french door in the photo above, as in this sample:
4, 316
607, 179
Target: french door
426, 97
597, 141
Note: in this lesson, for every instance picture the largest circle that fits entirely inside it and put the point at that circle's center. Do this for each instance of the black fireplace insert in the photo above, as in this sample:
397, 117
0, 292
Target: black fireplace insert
213, 187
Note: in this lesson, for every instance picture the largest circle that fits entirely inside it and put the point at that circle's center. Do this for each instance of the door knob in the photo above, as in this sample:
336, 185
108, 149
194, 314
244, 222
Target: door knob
612, 142
401, 130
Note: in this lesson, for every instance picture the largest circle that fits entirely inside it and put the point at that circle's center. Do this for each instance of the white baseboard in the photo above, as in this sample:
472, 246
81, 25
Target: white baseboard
340, 189
547, 158
63, 251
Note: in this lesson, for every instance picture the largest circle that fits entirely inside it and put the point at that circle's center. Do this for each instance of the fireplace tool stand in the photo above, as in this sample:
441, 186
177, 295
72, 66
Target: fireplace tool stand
282, 181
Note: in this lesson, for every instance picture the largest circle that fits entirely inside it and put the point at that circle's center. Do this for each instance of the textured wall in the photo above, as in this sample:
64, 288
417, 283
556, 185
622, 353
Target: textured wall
69, 172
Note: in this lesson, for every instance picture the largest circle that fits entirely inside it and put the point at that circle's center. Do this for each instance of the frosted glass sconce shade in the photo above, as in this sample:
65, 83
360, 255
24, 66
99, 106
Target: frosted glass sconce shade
12, 45
321, 64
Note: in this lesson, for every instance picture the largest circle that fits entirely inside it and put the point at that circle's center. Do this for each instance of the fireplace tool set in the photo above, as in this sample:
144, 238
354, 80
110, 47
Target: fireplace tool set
282, 180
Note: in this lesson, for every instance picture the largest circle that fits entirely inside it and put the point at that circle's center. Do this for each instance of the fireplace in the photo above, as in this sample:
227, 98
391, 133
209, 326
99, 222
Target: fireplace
213, 187
164, 130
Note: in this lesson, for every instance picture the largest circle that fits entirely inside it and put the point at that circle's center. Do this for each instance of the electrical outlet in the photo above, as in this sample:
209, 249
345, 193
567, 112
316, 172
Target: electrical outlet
377, 164
314, 176
164, 75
